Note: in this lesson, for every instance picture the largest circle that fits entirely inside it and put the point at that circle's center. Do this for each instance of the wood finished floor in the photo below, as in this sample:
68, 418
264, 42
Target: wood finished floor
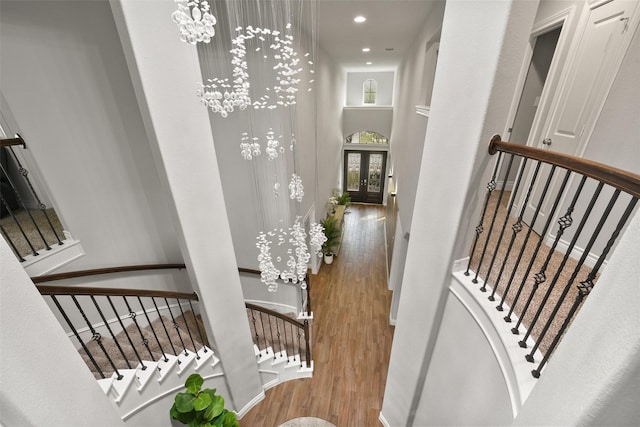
351, 335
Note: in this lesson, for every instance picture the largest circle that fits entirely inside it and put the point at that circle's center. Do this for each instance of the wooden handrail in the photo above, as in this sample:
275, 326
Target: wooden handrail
617, 178
107, 270
275, 313
8, 142
113, 292
249, 270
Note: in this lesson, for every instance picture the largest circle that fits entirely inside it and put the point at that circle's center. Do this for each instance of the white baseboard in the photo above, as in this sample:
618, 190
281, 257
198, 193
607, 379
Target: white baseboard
576, 253
253, 402
383, 420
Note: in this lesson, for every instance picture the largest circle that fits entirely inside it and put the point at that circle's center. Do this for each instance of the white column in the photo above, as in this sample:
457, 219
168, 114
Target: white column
472, 39
44, 380
165, 72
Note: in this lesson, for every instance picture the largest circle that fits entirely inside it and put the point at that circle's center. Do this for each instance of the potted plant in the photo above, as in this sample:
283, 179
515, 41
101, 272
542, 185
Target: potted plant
344, 199
332, 233
197, 407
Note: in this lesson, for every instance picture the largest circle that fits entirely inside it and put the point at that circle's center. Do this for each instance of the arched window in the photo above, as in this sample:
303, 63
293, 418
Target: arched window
367, 137
369, 89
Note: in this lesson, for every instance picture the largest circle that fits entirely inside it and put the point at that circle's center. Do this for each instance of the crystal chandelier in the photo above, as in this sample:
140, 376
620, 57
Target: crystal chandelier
194, 21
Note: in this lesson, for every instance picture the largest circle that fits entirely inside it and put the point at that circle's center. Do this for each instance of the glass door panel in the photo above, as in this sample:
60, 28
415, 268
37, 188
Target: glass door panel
364, 173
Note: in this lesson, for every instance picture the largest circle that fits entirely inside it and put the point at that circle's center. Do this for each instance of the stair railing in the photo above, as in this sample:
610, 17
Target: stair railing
304, 289
280, 332
25, 236
524, 264
283, 334
135, 321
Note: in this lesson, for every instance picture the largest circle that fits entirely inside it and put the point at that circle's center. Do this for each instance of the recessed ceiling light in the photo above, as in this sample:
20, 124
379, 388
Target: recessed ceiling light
369, 62
359, 19
366, 49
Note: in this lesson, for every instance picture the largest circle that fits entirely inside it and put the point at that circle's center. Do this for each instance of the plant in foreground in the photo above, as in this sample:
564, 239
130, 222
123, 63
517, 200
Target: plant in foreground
201, 408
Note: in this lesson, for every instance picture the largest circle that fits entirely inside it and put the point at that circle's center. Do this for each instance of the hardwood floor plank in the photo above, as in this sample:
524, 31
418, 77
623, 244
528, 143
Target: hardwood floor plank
351, 331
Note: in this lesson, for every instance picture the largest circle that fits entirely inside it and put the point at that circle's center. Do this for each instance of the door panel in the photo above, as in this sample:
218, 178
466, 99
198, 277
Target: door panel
599, 51
364, 173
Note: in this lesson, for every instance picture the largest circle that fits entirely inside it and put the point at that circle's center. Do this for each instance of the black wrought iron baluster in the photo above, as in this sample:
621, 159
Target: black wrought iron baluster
541, 277
153, 330
286, 341
96, 337
565, 222
24, 235
307, 343
507, 318
479, 229
24, 206
176, 327
517, 228
202, 337
106, 324
41, 206
175, 353
504, 226
264, 334
299, 344
273, 342
13, 246
186, 324
585, 287
493, 220
75, 332
132, 316
126, 333
278, 335
255, 328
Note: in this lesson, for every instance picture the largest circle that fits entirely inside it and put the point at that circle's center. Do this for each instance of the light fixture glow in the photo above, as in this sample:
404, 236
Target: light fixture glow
369, 63
359, 19
366, 49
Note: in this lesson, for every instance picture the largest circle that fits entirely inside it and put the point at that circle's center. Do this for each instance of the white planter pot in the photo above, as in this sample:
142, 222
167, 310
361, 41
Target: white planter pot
328, 258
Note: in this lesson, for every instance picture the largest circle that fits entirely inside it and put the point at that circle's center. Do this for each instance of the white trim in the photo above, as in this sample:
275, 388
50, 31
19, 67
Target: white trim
510, 357
253, 402
51, 260
423, 110
161, 395
383, 420
368, 107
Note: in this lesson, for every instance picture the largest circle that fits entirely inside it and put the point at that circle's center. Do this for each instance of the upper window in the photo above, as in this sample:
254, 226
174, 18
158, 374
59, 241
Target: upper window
370, 89
367, 137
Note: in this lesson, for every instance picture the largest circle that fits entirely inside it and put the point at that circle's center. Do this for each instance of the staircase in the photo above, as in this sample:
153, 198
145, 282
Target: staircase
142, 345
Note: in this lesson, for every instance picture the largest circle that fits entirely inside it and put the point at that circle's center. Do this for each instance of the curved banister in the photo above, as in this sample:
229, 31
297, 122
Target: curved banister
249, 270
617, 178
107, 270
275, 313
117, 292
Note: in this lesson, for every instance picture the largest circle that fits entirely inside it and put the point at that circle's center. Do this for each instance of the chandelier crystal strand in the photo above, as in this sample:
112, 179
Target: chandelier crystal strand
317, 238
194, 21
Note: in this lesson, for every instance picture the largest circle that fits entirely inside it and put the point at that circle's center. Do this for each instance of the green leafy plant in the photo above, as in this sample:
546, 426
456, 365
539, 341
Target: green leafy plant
201, 408
344, 199
331, 232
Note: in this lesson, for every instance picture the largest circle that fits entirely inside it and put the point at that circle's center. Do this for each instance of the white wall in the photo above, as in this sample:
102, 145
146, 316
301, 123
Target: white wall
355, 87
407, 135
64, 76
44, 380
465, 384
331, 87
374, 119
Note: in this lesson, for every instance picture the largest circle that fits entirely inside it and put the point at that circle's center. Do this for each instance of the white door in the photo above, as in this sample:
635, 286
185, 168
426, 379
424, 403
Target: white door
599, 51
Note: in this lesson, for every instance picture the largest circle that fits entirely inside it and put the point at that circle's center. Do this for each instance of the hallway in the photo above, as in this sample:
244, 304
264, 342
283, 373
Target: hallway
351, 335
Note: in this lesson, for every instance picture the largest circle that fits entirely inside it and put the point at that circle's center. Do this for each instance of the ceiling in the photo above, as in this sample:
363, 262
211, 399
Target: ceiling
390, 24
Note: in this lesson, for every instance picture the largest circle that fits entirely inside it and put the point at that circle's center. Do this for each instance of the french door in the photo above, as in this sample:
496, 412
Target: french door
364, 173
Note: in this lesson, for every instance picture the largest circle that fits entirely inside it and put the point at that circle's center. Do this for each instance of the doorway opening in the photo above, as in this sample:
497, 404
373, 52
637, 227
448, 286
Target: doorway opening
364, 174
